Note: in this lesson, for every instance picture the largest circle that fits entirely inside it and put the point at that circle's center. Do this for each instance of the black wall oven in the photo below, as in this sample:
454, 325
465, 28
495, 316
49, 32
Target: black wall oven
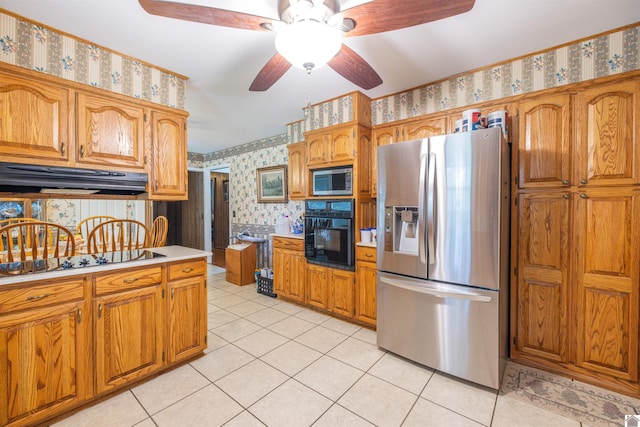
329, 233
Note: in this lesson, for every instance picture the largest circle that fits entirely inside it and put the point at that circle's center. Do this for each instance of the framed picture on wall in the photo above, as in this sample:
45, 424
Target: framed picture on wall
272, 184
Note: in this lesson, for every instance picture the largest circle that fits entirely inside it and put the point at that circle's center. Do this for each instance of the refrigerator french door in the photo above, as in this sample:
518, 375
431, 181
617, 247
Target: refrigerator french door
442, 276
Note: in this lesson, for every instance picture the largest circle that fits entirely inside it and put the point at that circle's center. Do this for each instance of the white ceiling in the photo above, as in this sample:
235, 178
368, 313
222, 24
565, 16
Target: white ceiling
221, 62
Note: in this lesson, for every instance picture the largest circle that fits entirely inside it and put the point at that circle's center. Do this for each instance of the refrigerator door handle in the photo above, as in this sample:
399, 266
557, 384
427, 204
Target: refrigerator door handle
440, 293
431, 200
421, 191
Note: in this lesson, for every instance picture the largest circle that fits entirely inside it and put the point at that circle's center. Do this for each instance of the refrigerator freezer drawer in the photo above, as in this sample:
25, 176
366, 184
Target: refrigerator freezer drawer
450, 328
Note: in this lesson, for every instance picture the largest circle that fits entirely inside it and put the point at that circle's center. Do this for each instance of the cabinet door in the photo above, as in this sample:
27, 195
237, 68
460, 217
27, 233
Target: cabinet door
365, 166
544, 142
341, 293
34, 121
280, 272
608, 152
187, 318
297, 173
169, 177
128, 336
342, 144
607, 271
543, 275
317, 286
365, 297
42, 362
297, 264
317, 145
380, 136
424, 128
109, 132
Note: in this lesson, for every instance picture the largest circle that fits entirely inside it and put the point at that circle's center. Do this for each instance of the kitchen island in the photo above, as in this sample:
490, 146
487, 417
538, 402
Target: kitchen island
72, 335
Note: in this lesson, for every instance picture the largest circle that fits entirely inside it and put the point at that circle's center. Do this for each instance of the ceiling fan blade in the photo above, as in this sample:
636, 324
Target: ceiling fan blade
352, 67
386, 15
204, 14
270, 73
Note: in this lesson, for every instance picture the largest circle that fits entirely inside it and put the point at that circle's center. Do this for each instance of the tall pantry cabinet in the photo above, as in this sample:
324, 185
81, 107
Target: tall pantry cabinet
578, 203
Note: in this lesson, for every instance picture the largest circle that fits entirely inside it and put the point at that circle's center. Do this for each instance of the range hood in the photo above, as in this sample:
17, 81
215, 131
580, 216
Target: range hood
23, 178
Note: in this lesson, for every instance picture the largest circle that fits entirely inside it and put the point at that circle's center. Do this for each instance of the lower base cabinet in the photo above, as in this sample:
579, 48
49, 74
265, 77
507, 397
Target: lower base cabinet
289, 268
330, 289
365, 288
66, 342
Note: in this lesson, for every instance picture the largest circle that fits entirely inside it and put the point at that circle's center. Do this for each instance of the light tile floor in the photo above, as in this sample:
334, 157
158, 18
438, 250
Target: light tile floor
274, 363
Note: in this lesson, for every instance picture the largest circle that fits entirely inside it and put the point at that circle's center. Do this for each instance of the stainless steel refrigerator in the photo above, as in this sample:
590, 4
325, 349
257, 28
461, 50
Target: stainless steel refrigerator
443, 237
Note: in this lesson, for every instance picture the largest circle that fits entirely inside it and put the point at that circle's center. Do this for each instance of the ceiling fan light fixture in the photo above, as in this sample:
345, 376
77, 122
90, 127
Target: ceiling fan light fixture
308, 44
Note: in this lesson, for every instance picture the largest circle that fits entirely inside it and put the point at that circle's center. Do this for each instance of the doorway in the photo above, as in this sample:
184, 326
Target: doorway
219, 215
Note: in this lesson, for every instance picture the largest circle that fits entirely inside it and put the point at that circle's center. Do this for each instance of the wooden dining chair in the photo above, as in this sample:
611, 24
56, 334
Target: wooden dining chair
158, 233
32, 240
117, 235
85, 226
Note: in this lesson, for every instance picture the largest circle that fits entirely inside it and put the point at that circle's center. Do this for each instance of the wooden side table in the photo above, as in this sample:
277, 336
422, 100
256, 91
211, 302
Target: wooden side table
240, 260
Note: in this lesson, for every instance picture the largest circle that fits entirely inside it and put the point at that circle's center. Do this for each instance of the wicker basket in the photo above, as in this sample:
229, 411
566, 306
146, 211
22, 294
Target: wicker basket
265, 286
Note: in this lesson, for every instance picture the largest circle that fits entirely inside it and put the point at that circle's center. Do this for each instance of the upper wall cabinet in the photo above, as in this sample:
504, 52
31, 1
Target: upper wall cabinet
109, 132
327, 147
35, 121
608, 123
168, 180
297, 172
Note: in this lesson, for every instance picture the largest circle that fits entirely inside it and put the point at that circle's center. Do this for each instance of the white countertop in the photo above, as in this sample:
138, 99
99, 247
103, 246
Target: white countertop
367, 244
288, 235
171, 254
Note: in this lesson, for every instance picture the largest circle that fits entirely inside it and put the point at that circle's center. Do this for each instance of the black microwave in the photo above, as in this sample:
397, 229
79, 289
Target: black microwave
333, 182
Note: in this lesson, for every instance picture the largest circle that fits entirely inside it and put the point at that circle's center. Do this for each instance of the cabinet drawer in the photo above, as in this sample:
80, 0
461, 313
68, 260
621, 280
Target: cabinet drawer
365, 253
26, 296
288, 243
186, 269
128, 279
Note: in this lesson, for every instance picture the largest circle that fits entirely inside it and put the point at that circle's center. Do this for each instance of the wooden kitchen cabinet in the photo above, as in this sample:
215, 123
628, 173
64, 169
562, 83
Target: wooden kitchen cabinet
36, 122
44, 366
168, 180
365, 285
318, 282
289, 268
129, 326
341, 298
187, 310
544, 145
297, 172
109, 132
331, 146
609, 124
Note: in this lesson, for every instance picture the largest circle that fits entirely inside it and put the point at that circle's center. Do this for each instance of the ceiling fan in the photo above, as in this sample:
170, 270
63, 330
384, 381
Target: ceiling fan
309, 24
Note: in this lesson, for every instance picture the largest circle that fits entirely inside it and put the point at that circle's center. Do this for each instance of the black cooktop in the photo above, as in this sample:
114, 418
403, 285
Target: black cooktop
75, 262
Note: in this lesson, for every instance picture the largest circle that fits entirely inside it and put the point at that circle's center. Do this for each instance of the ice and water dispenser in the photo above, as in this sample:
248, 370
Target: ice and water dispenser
401, 229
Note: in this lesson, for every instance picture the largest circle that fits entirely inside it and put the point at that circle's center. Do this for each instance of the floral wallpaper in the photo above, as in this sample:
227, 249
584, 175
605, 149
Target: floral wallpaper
37, 47
69, 212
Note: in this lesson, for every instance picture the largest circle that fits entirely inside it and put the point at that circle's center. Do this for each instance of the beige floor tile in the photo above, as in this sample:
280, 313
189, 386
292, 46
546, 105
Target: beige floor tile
291, 327
260, 342
235, 330
425, 413
291, 404
162, 391
291, 357
366, 335
146, 423
213, 293
251, 382
211, 308
356, 353
329, 377
266, 300
312, 316
401, 372
337, 416
341, 326
287, 307
221, 362
246, 308
321, 339
218, 318
208, 407
378, 402
244, 419
267, 317
512, 412
227, 301
468, 399
214, 342
249, 292
120, 410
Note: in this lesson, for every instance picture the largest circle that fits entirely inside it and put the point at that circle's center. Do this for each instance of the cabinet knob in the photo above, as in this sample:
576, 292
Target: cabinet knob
565, 196
368, 255
81, 151
583, 181
565, 182
62, 149
583, 196
99, 311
